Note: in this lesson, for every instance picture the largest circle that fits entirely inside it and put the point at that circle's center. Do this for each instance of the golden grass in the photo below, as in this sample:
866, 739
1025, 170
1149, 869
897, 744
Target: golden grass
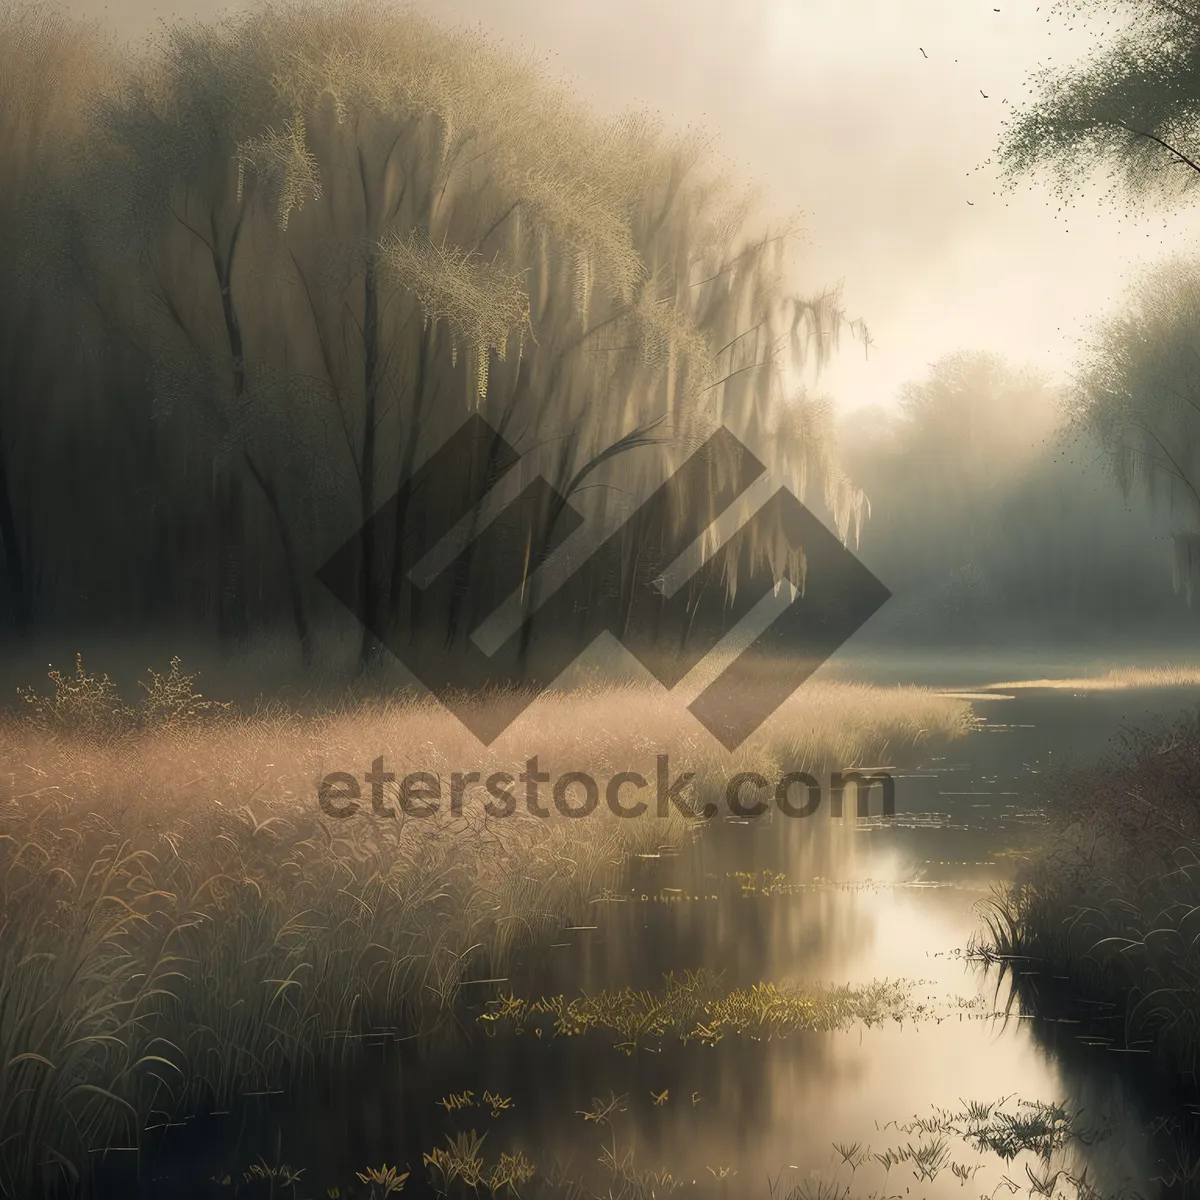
182, 923
1117, 679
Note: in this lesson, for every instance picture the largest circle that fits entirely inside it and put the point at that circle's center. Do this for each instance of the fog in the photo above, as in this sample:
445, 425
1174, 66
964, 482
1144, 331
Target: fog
885, 151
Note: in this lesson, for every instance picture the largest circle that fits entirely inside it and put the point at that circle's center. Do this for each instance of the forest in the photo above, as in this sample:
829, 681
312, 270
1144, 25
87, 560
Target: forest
295, 252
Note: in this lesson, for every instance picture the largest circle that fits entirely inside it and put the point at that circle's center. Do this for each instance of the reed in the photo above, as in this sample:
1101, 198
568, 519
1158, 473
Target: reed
181, 922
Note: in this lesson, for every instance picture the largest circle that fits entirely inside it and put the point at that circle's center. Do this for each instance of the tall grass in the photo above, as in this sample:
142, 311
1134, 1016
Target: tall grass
182, 923
1117, 679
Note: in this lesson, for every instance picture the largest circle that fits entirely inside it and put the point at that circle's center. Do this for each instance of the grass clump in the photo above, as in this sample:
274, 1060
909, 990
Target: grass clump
89, 707
180, 922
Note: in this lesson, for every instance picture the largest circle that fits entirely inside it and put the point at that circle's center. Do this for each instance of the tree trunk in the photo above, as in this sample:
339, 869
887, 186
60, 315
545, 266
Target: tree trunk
233, 622
291, 559
408, 463
370, 584
11, 553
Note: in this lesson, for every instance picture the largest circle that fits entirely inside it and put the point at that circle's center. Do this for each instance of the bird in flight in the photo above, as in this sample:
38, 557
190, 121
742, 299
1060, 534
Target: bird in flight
922, 50
983, 93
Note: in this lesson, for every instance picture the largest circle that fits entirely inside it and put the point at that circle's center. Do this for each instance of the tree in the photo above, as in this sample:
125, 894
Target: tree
1139, 393
316, 238
47, 65
439, 199
171, 145
1132, 106
943, 471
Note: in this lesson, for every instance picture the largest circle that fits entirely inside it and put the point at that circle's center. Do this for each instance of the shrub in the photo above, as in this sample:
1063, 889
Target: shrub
90, 707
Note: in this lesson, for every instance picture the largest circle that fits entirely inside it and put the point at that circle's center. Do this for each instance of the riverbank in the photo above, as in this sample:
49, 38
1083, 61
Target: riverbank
185, 923
1111, 900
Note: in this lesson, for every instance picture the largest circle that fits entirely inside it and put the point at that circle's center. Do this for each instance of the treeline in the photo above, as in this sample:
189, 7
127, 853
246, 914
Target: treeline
256, 270
996, 516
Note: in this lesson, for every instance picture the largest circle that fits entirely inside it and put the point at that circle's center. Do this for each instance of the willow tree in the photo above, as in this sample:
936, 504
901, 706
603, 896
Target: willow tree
166, 158
1139, 393
482, 239
360, 226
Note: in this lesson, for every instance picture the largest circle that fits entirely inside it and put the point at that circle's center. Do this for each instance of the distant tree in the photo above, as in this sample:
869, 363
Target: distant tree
941, 471
994, 513
1139, 393
962, 434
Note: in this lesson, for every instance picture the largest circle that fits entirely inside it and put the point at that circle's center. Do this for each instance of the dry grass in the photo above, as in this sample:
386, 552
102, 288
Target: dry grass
1117, 679
181, 922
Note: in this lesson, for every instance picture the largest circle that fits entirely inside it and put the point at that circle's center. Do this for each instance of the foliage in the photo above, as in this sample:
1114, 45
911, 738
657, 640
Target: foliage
171, 700
980, 518
82, 705
309, 240
1113, 899
696, 1008
1139, 394
1132, 106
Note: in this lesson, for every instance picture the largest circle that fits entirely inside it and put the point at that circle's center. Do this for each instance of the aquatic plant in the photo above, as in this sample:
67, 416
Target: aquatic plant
383, 1180
696, 1007
461, 1165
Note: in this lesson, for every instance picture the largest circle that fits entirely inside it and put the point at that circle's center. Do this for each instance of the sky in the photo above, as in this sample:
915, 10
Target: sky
877, 121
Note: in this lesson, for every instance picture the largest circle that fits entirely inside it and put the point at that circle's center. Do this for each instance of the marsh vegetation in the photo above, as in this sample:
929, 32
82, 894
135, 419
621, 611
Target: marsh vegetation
184, 925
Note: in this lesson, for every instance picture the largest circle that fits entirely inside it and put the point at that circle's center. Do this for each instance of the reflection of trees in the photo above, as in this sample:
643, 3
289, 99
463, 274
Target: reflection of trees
371, 1116
801, 934
388, 1104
